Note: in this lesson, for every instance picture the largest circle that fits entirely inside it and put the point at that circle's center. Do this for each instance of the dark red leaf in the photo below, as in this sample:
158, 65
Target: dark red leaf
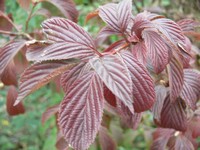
160, 138
188, 25
143, 86
81, 111
61, 143
105, 140
8, 52
158, 52
40, 74
191, 87
49, 112
11, 97
161, 93
175, 72
9, 75
115, 75
173, 114
67, 7
117, 16
109, 97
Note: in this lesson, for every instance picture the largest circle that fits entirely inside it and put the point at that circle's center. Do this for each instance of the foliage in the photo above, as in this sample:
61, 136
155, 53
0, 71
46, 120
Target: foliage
150, 66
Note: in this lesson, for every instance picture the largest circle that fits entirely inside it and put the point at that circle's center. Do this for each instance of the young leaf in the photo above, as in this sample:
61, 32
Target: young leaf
173, 114
40, 74
143, 87
191, 87
11, 97
8, 52
105, 140
175, 71
81, 111
117, 16
67, 7
115, 76
49, 112
158, 51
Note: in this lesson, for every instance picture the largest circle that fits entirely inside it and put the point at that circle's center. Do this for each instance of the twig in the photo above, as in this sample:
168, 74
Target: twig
137, 8
16, 34
30, 15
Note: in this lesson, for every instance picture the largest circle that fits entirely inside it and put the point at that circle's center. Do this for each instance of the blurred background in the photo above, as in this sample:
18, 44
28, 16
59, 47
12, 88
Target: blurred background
26, 132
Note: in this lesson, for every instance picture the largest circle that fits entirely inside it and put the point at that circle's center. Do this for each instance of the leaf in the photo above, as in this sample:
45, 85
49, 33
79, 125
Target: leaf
161, 93
91, 15
169, 29
81, 111
67, 7
158, 51
40, 74
139, 51
8, 52
180, 142
105, 140
117, 16
9, 75
42, 12
25, 4
11, 97
143, 86
191, 87
61, 143
49, 112
188, 25
175, 72
193, 126
173, 114
2, 5
69, 36
130, 119
160, 138
114, 73
109, 96
5, 22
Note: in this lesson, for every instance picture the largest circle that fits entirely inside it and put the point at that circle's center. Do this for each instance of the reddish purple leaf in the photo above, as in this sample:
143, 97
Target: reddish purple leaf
173, 114
180, 142
160, 138
115, 75
71, 38
158, 51
188, 25
5, 22
81, 111
40, 74
139, 51
70, 76
191, 87
109, 97
61, 143
105, 140
161, 93
175, 71
2, 5
169, 29
193, 126
8, 52
67, 7
130, 119
117, 16
11, 97
42, 12
143, 86
9, 75
49, 112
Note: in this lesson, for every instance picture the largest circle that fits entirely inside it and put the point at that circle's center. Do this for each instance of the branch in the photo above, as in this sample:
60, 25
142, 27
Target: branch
30, 15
